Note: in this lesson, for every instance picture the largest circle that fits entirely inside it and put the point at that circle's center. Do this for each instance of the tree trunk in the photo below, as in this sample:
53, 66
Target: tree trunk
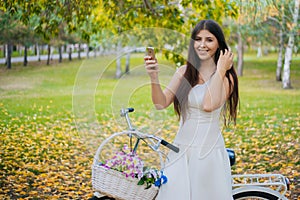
118, 61
49, 52
4, 51
88, 51
95, 51
70, 53
289, 49
127, 66
279, 59
9, 52
25, 56
79, 47
118, 67
19, 49
38, 54
240, 55
287, 62
259, 51
59, 54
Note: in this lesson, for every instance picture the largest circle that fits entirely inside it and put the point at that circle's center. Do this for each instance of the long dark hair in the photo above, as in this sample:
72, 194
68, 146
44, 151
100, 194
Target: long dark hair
191, 75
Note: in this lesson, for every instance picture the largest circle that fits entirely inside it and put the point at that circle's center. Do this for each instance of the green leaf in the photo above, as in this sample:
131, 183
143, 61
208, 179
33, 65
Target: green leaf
141, 182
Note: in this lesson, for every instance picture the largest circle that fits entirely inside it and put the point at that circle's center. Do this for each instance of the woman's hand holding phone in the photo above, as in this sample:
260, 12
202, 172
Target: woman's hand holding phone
151, 64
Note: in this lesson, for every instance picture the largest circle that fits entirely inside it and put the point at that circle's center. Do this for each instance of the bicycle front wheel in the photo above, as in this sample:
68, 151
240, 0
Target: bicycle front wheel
255, 195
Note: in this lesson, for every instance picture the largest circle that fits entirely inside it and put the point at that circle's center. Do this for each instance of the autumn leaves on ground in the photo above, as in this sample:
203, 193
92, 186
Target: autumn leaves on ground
43, 154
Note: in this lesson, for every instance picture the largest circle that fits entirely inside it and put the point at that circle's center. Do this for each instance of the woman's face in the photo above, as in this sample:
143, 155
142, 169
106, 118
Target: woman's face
206, 45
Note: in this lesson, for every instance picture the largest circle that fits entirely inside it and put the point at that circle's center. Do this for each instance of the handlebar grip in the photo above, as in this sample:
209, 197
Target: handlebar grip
170, 146
130, 109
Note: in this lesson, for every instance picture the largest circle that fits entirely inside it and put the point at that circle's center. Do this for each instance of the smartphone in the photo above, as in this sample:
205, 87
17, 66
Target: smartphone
150, 52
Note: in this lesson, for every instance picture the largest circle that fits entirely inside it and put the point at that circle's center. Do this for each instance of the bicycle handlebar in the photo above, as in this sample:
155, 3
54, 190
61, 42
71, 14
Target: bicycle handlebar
124, 113
140, 135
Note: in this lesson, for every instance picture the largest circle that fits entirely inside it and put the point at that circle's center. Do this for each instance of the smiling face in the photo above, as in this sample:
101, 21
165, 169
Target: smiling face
205, 45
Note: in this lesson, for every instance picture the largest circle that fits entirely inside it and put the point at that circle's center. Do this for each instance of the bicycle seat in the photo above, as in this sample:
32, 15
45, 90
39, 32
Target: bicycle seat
231, 155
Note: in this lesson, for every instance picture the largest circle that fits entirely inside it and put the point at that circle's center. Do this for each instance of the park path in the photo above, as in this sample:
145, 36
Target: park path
44, 57
74, 55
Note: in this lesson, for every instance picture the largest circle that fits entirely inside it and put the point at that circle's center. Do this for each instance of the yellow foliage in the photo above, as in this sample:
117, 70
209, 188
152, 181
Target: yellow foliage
47, 159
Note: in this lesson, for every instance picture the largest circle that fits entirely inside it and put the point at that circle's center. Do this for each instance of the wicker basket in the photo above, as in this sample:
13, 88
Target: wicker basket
115, 184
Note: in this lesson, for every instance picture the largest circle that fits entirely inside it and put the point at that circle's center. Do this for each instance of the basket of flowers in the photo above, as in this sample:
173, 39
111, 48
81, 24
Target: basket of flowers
124, 176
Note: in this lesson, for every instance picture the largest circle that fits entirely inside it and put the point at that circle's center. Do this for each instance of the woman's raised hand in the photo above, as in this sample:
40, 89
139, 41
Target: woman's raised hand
151, 66
225, 61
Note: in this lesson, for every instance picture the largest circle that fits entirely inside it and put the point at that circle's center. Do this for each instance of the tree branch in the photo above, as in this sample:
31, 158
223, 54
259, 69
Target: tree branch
132, 7
148, 5
274, 19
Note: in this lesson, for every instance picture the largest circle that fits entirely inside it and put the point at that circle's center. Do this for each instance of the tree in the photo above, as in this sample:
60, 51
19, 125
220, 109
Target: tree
286, 82
249, 25
261, 19
10, 29
285, 19
123, 16
281, 19
27, 37
50, 14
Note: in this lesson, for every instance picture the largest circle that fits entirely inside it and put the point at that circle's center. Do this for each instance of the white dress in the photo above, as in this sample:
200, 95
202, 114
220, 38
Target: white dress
201, 170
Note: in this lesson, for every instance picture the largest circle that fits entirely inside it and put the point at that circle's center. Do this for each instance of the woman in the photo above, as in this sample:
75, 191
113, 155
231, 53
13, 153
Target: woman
199, 91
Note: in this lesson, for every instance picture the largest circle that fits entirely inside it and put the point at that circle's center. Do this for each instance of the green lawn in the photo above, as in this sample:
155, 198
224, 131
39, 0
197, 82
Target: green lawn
52, 119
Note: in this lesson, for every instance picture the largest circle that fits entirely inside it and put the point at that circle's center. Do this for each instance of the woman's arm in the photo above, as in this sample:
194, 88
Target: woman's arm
218, 89
162, 98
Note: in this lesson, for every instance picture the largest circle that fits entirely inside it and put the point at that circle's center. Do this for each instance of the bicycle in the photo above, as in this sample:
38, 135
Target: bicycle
244, 186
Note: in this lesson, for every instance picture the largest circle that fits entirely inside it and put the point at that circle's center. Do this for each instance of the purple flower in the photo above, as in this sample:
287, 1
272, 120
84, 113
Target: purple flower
131, 165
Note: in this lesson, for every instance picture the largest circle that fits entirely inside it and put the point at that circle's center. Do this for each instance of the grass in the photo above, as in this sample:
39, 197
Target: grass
52, 119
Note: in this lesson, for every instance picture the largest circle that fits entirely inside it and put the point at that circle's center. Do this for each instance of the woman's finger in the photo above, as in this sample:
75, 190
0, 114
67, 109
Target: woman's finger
147, 58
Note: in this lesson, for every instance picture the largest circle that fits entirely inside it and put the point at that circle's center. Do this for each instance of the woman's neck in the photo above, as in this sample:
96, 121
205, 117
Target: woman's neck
207, 69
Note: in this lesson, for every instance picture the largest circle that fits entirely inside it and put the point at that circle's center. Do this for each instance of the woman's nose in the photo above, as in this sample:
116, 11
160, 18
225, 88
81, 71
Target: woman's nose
202, 44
